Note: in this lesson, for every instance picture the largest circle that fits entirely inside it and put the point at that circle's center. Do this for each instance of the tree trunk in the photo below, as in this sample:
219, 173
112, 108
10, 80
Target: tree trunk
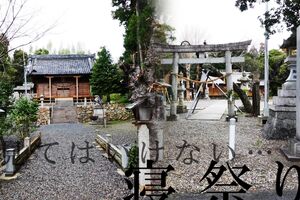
108, 98
3, 146
256, 99
244, 98
255, 94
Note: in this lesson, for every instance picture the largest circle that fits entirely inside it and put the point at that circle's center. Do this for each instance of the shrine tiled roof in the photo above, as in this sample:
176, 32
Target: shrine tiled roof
60, 64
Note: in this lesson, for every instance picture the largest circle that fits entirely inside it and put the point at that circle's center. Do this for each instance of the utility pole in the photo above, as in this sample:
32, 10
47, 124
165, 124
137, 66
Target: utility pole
266, 81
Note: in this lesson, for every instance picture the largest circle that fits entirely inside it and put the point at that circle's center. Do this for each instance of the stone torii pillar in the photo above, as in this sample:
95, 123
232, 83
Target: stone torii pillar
173, 116
229, 83
201, 49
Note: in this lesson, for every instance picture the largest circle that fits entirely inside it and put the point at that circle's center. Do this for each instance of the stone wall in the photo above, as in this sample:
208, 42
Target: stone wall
84, 113
117, 112
43, 116
113, 112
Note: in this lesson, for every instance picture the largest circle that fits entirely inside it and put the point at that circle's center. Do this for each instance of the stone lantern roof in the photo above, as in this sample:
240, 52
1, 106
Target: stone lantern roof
289, 45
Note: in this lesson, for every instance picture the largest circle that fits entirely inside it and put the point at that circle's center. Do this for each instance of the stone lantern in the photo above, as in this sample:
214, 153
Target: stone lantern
181, 108
141, 110
244, 81
281, 123
150, 131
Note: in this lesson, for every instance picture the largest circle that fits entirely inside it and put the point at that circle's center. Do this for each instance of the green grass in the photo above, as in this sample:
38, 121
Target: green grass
119, 98
115, 122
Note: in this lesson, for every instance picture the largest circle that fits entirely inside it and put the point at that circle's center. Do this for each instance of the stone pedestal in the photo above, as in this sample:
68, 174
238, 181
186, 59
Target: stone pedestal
99, 112
181, 108
292, 151
281, 123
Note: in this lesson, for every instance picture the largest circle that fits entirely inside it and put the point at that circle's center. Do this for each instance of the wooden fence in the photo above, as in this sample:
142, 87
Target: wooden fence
22, 156
26, 152
118, 154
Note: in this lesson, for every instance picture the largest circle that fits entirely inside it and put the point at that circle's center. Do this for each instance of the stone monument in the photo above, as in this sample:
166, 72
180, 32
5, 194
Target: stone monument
281, 123
292, 151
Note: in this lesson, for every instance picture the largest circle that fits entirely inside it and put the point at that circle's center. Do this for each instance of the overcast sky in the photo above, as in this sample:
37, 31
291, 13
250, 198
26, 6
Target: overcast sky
88, 23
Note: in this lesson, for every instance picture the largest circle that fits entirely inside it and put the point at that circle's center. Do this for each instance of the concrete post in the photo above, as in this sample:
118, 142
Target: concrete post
174, 84
266, 86
108, 137
26, 142
298, 87
229, 83
125, 152
231, 137
160, 138
144, 153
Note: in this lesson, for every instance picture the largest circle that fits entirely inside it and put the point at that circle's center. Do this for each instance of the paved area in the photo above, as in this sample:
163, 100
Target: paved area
208, 109
74, 175
212, 109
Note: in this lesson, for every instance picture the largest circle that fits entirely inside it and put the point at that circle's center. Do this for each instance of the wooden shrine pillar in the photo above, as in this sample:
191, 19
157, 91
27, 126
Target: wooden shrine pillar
50, 87
77, 86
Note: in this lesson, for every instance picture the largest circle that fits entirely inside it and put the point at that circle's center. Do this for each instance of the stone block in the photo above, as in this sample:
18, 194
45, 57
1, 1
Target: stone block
287, 101
181, 109
289, 85
286, 93
280, 125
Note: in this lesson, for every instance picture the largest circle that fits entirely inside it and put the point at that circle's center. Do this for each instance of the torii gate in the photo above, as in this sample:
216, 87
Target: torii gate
201, 49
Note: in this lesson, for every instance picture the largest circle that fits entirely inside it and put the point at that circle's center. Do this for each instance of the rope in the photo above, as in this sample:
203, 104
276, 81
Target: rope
195, 81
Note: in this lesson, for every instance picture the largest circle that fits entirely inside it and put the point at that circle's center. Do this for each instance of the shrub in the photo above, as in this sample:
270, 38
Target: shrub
119, 98
133, 159
23, 115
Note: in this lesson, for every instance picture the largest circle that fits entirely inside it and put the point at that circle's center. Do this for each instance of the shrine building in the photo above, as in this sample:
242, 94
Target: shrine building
61, 76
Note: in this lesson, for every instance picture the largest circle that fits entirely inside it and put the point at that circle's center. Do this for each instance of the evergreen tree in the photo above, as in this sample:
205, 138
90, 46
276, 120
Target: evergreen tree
41, 51
20, 59
105, 77
138, 18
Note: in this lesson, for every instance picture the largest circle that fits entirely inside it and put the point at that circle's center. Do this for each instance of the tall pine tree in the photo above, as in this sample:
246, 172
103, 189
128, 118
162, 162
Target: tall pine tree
105, 77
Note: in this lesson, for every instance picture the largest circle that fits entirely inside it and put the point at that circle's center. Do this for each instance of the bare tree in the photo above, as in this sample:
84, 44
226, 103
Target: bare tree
16, 26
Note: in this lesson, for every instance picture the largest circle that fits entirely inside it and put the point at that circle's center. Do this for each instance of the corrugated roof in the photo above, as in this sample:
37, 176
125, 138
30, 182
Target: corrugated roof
60, 64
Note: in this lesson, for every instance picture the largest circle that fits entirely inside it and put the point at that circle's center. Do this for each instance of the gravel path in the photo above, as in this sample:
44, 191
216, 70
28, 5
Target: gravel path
203, 134
40, 179
99, 180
